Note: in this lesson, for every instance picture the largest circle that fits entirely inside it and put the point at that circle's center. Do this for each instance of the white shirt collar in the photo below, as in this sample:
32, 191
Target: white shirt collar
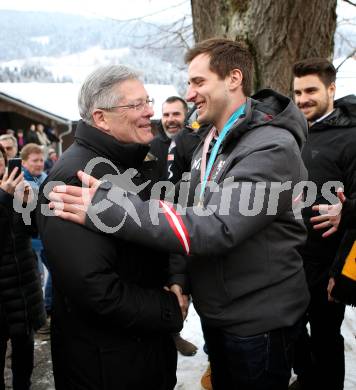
323, 117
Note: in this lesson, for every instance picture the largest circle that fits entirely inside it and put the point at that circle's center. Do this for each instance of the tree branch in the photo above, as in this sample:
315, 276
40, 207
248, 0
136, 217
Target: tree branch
152, 14
349, 56
350, 2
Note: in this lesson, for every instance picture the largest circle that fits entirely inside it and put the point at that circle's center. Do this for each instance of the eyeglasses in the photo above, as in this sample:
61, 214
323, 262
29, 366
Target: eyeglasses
139, 106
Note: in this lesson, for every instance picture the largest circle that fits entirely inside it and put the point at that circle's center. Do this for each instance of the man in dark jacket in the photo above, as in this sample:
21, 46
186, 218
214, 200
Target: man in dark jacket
239, 229
174, 110
21, 303
186, 141
330, 156
112, 318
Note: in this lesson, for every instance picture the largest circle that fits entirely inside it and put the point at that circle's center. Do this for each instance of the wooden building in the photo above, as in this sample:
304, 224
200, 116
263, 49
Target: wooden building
52, 104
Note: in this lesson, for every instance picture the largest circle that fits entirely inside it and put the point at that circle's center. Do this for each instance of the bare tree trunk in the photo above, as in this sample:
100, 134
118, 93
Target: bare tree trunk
278, 32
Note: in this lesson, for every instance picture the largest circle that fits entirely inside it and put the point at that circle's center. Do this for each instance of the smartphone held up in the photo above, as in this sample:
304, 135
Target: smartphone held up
14, 163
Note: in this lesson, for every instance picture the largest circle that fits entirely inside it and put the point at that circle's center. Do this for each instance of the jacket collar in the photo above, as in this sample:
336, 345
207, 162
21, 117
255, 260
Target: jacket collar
36, 178
130, 155
241, 125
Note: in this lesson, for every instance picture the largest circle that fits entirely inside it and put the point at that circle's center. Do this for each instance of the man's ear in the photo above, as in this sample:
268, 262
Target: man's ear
235, 79
332, 90
100, 120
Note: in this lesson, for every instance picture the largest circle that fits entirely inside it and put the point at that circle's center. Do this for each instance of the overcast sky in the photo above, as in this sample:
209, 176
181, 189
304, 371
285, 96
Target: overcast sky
159, 10
163, 10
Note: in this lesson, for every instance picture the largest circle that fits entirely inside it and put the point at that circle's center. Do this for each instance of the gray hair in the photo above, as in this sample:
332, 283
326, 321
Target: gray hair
97, 89
7, 137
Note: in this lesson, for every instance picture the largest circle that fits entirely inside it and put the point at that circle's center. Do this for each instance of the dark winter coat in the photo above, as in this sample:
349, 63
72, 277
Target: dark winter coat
32, 137
21, 298
159, 148
244, 268
112, 318
330, 156
186, 141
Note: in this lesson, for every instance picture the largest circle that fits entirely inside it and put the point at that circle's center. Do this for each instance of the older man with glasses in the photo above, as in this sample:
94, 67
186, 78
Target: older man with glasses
112, 318
9, 142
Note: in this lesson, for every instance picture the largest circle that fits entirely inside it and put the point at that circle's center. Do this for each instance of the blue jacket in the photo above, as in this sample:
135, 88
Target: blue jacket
34, 181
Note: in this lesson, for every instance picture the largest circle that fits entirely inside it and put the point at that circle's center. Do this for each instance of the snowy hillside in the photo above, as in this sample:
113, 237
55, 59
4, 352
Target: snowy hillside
59, 48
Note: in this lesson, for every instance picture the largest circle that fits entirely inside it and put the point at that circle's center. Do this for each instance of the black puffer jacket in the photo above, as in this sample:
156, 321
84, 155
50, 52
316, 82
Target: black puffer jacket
330, 156
20, 288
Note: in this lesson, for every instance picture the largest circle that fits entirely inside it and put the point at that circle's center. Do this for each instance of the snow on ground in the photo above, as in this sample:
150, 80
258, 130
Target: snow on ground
349, 333
191, 368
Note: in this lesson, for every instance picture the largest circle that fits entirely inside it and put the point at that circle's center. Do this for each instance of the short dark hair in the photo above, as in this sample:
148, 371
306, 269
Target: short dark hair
321, 67
226, 55
173, 99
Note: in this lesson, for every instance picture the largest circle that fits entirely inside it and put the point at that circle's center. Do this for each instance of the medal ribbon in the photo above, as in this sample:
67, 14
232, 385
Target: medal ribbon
206, 169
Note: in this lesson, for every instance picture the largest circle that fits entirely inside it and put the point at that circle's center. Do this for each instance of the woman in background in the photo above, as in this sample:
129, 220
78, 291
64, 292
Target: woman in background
21, 303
